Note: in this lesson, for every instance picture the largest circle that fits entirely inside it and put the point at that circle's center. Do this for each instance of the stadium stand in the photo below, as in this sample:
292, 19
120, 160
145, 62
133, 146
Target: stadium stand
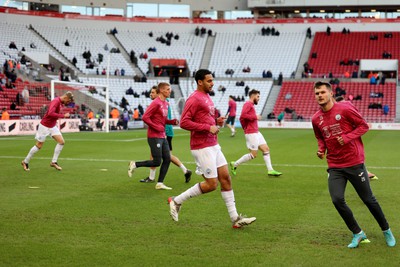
258, 52
337, 47
303, 102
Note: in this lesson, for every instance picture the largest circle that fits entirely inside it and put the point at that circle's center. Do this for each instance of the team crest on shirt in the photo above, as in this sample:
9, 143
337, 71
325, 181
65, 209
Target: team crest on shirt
158, 145
338, 117
208, 171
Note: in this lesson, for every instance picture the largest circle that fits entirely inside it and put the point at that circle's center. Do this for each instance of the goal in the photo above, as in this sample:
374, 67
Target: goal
87, 98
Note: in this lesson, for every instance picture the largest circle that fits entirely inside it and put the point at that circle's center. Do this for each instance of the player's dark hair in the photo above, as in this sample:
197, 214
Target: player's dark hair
253, 92
318, 85
201, 75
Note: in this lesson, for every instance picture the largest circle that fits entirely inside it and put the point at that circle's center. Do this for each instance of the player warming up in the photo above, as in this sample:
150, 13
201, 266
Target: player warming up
254, 139
338, 128
230, 115
169, 131
199, 118
155, 117
48, 126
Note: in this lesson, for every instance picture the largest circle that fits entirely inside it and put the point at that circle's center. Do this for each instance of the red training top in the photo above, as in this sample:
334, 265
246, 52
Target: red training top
53, 113
155, 117
341, 120
197, 117
248, 118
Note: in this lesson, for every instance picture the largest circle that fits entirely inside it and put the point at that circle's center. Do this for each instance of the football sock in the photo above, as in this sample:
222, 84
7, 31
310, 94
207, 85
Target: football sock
193, 191
229, 199
152, 174
244, 159
183, 168
57, 151
267, 160
32, 152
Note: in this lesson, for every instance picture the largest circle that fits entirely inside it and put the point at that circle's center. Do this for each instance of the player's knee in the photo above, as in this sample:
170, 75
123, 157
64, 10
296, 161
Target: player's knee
338, 201
156, 162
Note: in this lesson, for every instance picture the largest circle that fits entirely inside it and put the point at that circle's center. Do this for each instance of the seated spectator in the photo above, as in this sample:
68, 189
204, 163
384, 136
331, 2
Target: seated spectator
271, 116
247, 69
354, 74
239, 48
385, 109
372, 80
122, 72
314, 55
4, 114
221, 88
32, 45
12, 45
66, 43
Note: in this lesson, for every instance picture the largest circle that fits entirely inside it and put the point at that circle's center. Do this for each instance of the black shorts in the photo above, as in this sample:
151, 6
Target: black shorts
169, 139
230, 120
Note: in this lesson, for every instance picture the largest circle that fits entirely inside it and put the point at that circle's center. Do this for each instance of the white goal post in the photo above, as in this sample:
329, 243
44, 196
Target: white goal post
84, 93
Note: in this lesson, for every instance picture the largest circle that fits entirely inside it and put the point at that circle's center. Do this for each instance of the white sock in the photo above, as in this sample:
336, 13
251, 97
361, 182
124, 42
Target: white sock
243, 159
229, 199
183, 168
194, 191
232, 129
57, 151
32, 152
152, 174
267, 160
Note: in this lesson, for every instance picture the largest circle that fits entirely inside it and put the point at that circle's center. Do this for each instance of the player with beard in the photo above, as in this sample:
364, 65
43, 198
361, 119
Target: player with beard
338, 128
254, 139
199, 117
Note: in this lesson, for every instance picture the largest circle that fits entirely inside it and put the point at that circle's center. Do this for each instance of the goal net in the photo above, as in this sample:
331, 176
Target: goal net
91, 104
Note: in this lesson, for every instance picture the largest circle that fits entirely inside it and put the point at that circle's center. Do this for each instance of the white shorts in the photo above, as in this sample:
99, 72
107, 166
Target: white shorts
209, 159
254, 140
44, 131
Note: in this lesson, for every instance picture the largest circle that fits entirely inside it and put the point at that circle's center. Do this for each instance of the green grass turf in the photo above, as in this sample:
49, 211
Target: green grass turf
85, 216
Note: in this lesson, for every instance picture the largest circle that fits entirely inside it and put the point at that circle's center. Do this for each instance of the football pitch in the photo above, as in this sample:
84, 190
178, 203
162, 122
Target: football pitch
92, 214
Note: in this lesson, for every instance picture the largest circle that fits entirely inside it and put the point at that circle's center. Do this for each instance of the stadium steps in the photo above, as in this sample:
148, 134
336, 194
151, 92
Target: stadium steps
124, 53
61, 58
205, 61
270, 103
305, 54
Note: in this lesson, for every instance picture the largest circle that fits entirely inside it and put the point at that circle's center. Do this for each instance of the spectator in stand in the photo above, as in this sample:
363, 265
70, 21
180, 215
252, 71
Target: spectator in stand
12, 45
308, 35
25, 95
386, 109
328, 30
280, 78
66, 43
4, 114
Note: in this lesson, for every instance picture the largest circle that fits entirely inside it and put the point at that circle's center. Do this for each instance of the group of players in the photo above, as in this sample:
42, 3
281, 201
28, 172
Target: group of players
338, 128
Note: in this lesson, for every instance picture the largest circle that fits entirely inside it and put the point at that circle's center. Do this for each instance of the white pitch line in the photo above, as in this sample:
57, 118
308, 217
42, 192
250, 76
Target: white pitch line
191, 162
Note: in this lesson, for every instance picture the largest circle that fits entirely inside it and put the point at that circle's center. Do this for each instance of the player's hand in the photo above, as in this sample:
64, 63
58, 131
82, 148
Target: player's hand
320, 154
220, 121
67, 115
259, 117
214, 129
340, 140
175, 122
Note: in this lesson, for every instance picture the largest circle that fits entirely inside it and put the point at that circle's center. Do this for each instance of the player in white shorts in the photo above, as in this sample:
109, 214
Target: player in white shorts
254, 139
